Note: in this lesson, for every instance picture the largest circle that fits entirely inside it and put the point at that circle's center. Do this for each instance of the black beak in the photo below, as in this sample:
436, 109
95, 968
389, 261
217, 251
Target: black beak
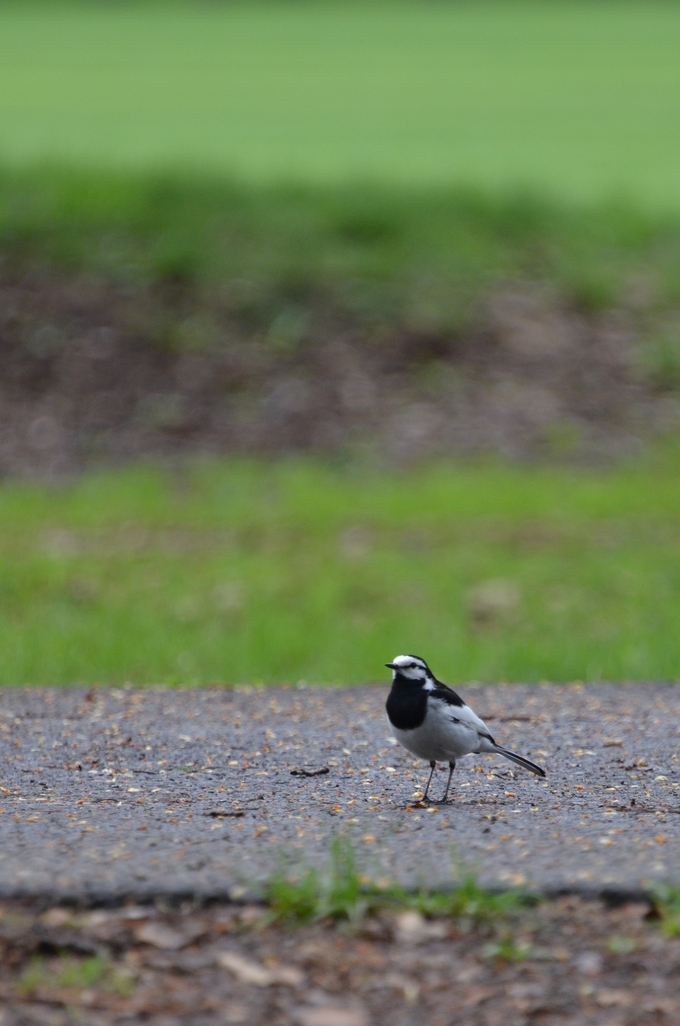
391, 666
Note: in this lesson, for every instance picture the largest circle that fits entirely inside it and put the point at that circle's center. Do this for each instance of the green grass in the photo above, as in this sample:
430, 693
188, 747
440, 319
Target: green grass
573, 97
246, 572
342, 893
666, 909
70, 972
282, 263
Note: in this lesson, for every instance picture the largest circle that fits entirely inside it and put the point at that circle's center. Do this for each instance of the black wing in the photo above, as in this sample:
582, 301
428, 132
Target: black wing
447, 694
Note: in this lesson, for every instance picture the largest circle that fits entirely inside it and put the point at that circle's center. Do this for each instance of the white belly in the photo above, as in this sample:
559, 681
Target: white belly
438, 738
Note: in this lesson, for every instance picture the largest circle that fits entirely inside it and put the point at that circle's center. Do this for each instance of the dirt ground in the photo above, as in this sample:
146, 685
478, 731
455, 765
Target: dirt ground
92, 373
566, 961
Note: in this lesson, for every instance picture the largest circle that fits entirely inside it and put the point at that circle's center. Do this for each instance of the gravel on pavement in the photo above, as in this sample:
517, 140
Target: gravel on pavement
110, 795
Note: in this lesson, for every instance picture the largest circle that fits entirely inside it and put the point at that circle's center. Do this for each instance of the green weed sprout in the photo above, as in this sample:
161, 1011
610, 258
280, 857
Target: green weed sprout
666, 909
342, 893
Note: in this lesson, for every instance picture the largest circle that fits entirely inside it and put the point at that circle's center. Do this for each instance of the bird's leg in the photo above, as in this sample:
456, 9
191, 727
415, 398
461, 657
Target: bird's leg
452, 767
429, 780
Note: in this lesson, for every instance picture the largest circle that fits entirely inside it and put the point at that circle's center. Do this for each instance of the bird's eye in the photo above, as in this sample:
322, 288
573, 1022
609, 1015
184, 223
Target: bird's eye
414, 666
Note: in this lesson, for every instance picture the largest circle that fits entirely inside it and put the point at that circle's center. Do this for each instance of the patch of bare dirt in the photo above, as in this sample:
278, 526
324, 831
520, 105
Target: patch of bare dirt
567, 961
91, 372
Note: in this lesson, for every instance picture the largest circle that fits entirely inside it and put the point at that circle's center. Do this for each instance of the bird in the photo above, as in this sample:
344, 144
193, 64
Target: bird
433, 722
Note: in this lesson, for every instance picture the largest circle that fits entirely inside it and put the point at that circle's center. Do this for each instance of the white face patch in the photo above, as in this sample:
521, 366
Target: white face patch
412, 668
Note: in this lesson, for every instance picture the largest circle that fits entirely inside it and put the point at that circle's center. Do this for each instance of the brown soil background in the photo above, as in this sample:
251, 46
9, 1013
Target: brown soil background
88, 375
567, 962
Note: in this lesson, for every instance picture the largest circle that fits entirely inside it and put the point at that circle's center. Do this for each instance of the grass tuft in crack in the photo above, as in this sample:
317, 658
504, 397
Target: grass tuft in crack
338, 893
468, 902
666, 909
342, 893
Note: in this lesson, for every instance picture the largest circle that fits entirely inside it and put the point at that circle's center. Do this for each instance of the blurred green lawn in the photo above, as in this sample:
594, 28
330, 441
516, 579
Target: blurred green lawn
247, 571
575, 97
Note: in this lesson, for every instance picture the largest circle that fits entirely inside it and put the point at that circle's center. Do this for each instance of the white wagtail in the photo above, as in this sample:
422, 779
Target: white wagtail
430, 720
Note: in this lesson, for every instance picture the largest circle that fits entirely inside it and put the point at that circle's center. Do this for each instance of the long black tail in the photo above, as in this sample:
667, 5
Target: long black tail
521, 761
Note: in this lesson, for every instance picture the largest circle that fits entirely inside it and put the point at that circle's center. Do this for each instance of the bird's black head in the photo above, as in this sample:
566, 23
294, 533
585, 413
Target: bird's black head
410, 668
